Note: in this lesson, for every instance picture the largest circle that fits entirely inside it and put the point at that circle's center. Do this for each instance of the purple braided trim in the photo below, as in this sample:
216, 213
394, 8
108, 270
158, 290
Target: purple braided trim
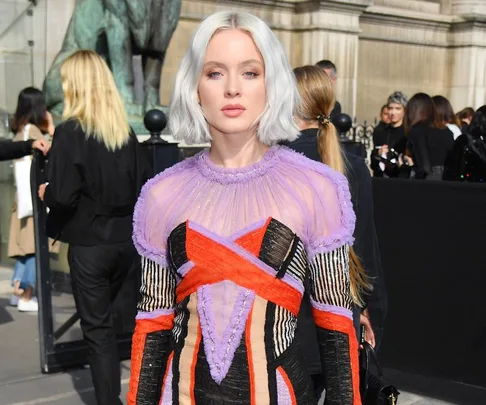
248, 229
297, 285
235, 175
220, 353
185, 268
344, 235
167, 389
333, 309
142, 246
283, 394
154, 314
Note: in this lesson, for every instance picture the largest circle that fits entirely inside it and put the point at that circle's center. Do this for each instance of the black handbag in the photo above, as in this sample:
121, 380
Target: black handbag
373, 388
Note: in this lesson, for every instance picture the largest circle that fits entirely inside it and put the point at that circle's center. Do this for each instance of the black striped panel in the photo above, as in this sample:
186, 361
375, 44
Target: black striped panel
329, 278
179, 331
235, 387
154, 364
276, 244
296, 265
176, 246
336, 366
284, 326
158, 287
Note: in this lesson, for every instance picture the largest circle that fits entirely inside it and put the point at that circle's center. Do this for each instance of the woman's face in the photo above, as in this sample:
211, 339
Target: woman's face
396, 112
232, 86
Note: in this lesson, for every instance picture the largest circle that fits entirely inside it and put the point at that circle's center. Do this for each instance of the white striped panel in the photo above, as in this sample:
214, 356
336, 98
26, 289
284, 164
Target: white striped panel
329, 273
158, 287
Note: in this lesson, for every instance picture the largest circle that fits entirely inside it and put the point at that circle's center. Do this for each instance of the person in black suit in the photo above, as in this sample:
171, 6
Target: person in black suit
319, 141
331, 71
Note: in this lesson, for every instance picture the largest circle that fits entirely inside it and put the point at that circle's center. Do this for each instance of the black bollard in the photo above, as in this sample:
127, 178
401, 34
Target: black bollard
343, 124
162, 154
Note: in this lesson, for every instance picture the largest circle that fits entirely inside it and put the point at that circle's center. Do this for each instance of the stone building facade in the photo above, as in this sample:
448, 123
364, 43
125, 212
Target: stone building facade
436, 46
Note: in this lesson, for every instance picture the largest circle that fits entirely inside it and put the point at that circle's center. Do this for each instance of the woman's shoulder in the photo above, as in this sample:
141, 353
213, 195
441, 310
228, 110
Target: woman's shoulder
162, 182
71, 125
325, 193
312, 171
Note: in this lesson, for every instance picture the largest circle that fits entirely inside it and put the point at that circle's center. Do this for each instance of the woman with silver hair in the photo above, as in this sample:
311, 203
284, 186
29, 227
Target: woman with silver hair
389, 140
228, 237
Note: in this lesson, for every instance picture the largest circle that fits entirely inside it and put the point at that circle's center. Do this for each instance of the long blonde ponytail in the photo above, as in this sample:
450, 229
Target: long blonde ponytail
317, 102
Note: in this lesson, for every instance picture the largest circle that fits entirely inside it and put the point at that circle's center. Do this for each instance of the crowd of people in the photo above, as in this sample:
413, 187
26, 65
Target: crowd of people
422, 138
259, 266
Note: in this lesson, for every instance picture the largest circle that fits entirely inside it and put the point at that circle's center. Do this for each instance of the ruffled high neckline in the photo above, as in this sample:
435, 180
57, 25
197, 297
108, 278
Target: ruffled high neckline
237, 175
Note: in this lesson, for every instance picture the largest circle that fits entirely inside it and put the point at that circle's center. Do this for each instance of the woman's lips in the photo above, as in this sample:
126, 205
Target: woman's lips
233, 110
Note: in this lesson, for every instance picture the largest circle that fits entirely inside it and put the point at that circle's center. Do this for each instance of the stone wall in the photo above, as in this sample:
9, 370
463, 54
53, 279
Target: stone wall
379, 46
29, 41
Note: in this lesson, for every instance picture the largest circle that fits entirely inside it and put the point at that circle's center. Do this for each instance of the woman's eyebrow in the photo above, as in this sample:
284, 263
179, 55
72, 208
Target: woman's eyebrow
222, 65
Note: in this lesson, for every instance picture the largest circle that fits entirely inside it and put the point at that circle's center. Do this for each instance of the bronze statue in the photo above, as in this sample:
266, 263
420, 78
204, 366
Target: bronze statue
117, 30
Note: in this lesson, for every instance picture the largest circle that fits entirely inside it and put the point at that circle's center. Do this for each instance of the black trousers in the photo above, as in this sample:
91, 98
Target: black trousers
97, 274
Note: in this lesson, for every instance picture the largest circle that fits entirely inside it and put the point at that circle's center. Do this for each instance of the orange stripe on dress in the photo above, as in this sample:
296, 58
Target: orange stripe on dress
215, 262
339, 323
138, 344
147, 325
286, 379
193, 365
252, 241
251, 367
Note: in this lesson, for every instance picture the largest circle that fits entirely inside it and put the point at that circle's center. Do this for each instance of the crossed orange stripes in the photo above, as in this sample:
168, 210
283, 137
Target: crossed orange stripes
214, 262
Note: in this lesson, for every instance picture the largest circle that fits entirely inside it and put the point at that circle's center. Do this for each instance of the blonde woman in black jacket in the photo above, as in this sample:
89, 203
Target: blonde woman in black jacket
94, 179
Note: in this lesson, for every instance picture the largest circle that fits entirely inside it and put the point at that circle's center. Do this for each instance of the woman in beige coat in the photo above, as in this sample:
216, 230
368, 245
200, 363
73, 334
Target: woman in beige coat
31, 121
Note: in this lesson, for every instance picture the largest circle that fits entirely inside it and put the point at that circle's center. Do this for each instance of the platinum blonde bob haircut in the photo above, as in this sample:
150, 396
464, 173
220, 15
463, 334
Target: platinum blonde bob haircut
186, 119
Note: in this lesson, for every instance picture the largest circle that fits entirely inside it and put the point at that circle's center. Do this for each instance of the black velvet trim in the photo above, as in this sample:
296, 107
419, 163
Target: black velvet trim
235, 387
272, 378
276, 244
182, 306
288, 260
294, 366
177, 246
154, 363
336, 366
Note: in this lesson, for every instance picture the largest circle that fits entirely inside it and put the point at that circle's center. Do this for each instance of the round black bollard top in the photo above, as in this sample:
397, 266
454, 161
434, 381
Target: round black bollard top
343, 123
155, 121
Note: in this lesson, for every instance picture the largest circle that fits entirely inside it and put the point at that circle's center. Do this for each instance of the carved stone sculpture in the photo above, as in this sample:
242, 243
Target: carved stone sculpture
117, 30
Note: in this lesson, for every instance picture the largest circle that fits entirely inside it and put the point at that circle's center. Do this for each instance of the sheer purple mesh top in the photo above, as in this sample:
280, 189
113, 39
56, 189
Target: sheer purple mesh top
225, 253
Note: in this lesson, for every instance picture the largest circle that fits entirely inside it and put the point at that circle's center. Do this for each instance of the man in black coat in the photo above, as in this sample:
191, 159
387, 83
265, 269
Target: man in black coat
16, 150
331, 71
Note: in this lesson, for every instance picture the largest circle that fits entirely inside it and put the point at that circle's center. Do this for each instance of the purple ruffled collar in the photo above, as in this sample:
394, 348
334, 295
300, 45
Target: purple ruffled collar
239, 175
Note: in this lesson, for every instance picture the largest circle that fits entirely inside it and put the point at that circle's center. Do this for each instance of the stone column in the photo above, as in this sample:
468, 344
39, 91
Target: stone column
330, 30
468, 64
30, 44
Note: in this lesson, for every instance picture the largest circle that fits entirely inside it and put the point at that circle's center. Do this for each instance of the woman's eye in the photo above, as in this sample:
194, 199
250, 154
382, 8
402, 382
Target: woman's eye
251, 74
214, 75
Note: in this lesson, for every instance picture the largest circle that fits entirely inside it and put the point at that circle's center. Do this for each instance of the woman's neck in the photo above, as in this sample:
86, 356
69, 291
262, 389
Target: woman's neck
233, 152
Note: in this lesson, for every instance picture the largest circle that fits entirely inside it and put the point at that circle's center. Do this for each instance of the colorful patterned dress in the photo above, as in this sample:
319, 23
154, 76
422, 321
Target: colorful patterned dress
225, 253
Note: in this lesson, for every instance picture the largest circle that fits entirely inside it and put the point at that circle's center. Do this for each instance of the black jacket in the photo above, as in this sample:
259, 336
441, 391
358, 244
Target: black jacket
336, 111
15, 150
395, 138
429, 147
92, 190
365, 245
